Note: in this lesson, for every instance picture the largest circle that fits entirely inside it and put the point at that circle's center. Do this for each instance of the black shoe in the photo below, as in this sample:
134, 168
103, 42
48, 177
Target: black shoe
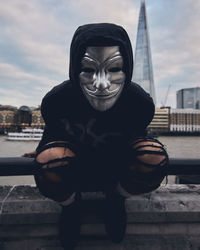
115, 216
69, 225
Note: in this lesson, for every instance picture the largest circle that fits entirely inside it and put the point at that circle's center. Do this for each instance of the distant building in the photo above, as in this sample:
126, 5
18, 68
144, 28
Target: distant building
175, 121
143, 69
13, 119
184, 120
7, 107
188, 98
37, 120
161, 121
23, 116
7, 118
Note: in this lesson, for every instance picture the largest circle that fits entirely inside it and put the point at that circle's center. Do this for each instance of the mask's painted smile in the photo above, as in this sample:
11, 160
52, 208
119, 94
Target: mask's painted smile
102, 77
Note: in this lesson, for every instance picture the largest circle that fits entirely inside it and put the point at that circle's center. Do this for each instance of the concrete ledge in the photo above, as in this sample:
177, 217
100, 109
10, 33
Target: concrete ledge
167, 219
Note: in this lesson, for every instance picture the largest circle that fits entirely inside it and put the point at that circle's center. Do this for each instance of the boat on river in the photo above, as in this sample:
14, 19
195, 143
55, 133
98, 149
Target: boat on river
27, 134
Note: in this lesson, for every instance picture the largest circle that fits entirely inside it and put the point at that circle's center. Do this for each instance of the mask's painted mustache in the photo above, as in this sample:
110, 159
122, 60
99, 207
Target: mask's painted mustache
102, 94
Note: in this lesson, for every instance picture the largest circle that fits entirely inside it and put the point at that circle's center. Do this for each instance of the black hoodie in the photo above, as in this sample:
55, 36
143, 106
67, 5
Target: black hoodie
69, 116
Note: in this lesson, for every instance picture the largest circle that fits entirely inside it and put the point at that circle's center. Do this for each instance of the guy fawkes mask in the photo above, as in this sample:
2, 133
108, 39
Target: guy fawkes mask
101, 77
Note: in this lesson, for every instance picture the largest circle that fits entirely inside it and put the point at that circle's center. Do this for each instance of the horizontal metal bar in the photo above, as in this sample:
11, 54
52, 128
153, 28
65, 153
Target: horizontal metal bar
12, 166
183, 166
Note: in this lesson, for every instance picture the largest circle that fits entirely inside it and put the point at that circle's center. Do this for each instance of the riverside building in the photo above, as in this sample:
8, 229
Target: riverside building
175, 121
161, 121
185, 120
7, 118
37, 120
188, 98
13, 119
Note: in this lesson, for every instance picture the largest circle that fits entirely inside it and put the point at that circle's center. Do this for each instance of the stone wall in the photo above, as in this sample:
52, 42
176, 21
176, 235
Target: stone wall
166, 219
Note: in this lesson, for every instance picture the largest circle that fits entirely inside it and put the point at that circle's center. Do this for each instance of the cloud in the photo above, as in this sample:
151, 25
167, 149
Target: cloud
10, 96
36, 35
16, 74
22, 88
124, 13
175, 46
43, 38
102, 11
35, 42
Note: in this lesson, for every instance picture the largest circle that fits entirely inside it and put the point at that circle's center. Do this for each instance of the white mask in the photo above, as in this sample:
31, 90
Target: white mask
102, 78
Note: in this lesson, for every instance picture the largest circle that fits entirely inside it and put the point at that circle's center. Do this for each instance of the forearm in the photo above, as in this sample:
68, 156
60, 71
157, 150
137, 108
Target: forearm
148, 166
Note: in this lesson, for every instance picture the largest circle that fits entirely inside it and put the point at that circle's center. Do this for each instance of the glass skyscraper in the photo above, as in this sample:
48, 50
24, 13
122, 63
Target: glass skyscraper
188, 98
143, 70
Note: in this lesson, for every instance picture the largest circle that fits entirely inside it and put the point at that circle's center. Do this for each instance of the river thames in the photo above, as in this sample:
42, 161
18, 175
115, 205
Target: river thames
177, 147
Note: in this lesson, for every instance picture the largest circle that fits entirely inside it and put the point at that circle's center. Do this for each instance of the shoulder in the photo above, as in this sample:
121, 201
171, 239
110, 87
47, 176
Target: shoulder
57, 91
57, 98
140, 104
139, 98
139, 93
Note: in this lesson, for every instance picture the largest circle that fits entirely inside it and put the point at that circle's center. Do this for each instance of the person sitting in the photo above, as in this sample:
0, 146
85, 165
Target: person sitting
95, 133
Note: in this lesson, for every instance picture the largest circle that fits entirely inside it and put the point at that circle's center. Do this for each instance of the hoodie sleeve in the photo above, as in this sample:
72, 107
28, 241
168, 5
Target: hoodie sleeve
52, 112
51, 130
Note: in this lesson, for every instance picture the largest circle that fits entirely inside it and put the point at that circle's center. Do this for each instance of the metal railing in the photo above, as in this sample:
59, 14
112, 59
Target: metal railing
12, 166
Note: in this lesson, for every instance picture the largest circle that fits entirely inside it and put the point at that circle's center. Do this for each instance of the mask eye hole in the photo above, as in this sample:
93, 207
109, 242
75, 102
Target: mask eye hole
88, 70
114, 69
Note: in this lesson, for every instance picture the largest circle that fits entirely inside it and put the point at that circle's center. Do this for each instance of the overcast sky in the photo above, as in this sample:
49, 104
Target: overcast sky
36, 35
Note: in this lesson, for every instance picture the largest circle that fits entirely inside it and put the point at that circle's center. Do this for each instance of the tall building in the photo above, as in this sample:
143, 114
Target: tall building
143, 70
188, 98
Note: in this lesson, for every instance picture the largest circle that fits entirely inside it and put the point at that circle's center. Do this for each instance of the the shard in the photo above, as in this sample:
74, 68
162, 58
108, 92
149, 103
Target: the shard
143, 70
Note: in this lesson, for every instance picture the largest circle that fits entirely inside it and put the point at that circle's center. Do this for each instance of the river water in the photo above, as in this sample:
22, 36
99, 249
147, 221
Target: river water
177, 147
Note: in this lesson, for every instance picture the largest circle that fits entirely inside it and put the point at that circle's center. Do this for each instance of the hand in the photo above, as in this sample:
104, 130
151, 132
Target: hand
30, 154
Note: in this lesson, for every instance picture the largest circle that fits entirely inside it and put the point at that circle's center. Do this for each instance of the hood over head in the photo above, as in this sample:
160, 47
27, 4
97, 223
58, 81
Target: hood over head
99, 34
